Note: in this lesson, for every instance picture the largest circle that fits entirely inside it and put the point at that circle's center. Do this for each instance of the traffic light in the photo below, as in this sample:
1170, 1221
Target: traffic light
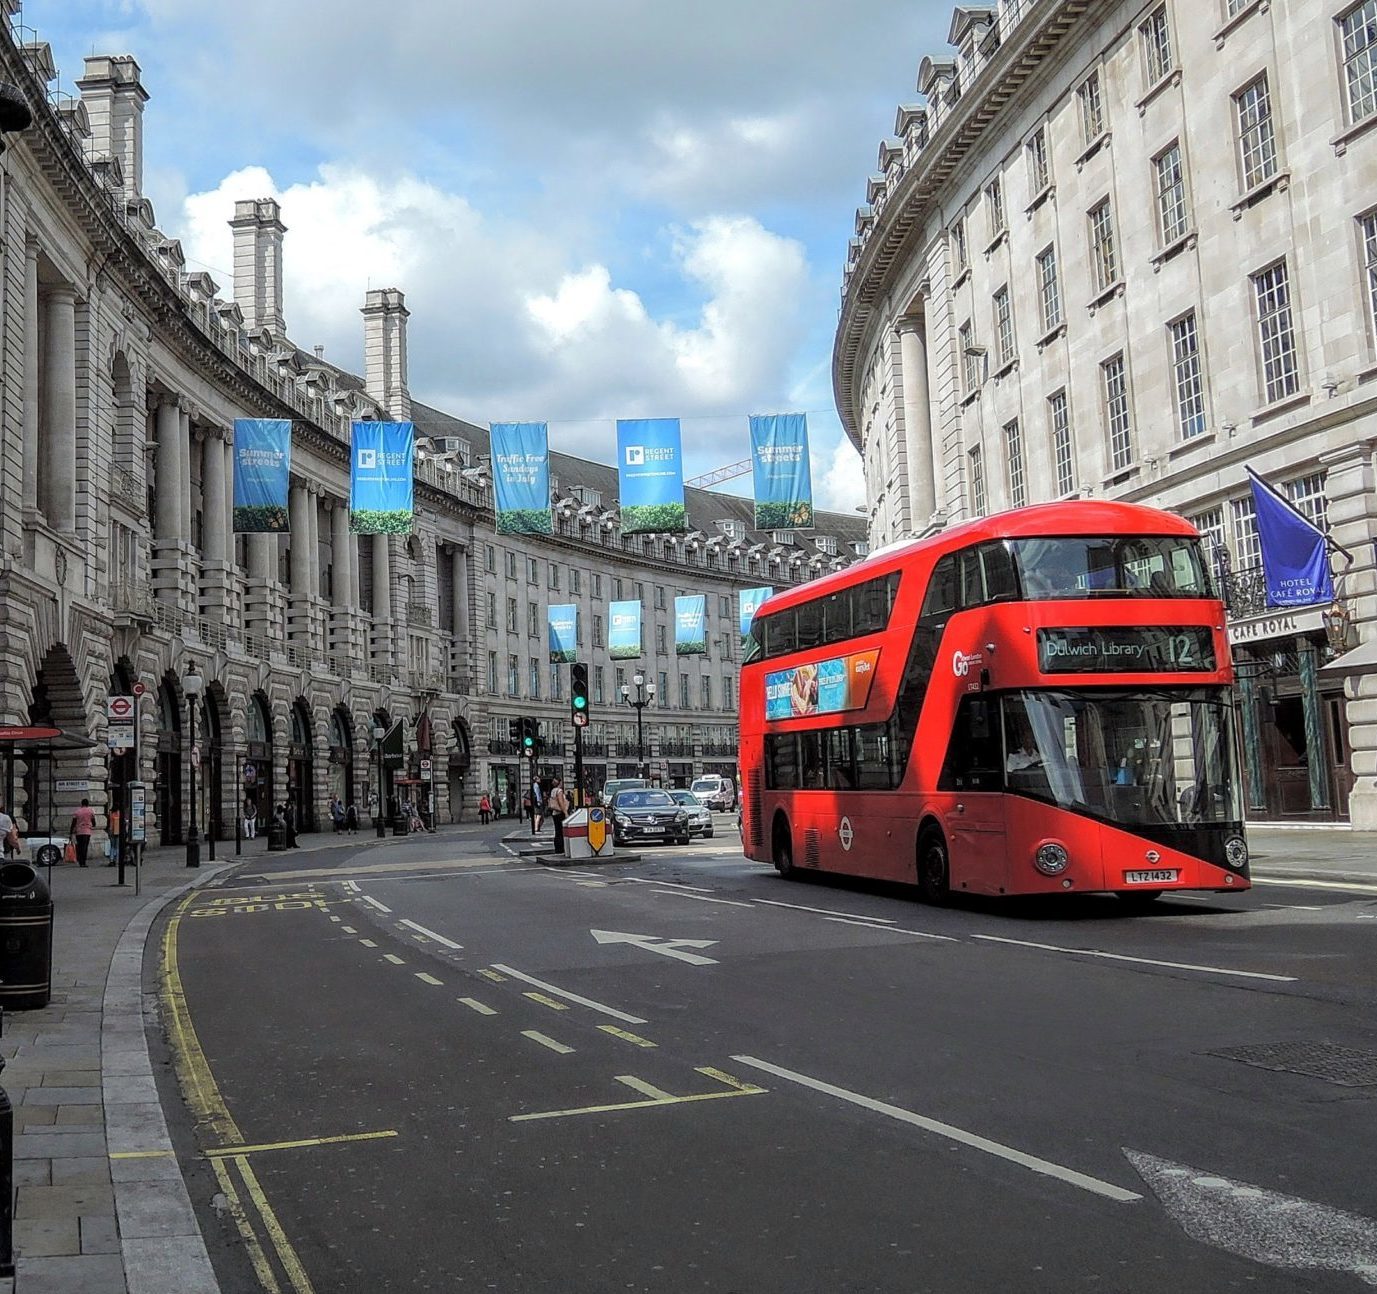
514, 730
578, 693
529, 737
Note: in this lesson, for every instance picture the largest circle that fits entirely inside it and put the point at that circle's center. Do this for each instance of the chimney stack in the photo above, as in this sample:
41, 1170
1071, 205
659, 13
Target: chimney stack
384, 351
258, 231
114, 97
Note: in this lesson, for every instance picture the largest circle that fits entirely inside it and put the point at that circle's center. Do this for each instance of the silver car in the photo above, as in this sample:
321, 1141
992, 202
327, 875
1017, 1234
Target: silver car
699, 815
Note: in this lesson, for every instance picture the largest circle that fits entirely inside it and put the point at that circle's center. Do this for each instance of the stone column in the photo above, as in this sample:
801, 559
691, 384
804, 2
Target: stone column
184, 464
31, 398
343, 555
313, 516
213, 497
920, 485
298, 503
382, 600
460, 654
263, 557
58, 447
168, 525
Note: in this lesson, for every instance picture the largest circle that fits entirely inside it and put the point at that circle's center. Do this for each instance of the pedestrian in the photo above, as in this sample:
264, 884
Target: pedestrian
337, 813
558, 803
112, 837
351, 820
289, 821
528, 806
484, 808
9, 833
373, 807
83, 824
537, 806
250, 817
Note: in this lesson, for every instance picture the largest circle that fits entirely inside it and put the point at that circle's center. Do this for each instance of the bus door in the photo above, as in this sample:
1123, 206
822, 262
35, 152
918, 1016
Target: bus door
973, 778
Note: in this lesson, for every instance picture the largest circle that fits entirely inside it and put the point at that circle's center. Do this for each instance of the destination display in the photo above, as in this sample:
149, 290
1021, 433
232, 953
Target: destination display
821, 687
1106, 649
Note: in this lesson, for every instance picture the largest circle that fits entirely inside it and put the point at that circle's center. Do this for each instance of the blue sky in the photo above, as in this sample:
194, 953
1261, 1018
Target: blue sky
608, 209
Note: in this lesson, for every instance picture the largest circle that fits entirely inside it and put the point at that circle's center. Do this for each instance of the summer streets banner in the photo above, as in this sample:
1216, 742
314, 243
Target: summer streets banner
1295, 556
262, 468
749, 600
691, 625
563, 620
521, 477
650, 470
783, 476
826, 687
624, 630
380, 478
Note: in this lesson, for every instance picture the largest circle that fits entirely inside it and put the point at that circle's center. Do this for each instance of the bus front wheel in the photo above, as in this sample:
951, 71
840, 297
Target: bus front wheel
934, 873
783, 851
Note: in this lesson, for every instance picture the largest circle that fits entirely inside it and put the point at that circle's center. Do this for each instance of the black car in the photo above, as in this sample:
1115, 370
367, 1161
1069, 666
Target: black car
646, 814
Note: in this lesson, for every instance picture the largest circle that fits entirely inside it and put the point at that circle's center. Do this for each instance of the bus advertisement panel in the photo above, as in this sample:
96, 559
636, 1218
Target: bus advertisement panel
824, 687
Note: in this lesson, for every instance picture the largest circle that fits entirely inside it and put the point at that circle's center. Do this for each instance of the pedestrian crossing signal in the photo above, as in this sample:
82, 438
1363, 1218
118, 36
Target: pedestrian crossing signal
578, 694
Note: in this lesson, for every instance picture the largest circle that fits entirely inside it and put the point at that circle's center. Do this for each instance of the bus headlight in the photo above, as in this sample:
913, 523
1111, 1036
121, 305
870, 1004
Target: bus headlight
1051, 859
1236, 852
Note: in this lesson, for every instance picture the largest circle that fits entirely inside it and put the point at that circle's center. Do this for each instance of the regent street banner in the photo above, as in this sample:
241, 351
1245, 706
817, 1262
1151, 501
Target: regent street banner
691, 625
381, 463
624, 630
262, 471
1295, 553
521, 477
749, 601
783, 475
650, 471
563, 620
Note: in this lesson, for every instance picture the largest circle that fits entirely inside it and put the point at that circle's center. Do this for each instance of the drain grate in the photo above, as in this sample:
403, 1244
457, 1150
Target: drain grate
1345, 1066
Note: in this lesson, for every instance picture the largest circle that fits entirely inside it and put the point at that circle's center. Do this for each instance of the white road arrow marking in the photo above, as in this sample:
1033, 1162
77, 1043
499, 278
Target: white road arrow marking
665, 947
1263, 1226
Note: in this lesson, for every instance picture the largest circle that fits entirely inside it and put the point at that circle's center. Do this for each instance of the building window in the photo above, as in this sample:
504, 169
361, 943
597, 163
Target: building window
597, 585
994, 207
1092, 108
1306, 494
1156, 37
554, 575
532, 571
661, 649
575, 580
511, 615
971, 356
1104, 257
492, 610
1039, 168
535, 680
1117, 420
513, 676
724, 606
707, 692
659, 597
1188, 377
598, 679
1247, 545
556, 684
683, 691
616, 588
1276, 333
511, 566
1368, 227
977, 478
728, 692
597, 631
1210, 524
1059, 418
1172, 217
960, 255
1004, 326
1358, 27
1235, 7
492, 673
1013, 453
1257, 141
532, 620
490, 559
662, 689
1049, 291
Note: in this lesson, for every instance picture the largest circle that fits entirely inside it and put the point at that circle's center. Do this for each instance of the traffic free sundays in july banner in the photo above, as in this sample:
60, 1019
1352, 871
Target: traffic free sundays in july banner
521, 477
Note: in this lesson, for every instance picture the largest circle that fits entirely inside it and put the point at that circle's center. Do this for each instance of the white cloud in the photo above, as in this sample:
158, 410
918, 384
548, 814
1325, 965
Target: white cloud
840, 486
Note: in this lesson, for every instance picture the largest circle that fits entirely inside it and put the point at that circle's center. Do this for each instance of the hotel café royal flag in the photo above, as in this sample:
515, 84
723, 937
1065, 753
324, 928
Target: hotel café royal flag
563, 623
1295, 553
624, 630
521, 477
691, 625
783, 475
381, 491
650, 476
749, 600
262, 473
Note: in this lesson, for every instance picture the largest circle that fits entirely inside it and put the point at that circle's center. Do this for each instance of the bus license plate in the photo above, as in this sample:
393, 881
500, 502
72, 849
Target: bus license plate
1163, 876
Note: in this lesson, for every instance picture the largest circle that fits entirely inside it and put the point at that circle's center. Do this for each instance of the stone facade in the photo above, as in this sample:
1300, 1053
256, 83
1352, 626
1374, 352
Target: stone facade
1128, 249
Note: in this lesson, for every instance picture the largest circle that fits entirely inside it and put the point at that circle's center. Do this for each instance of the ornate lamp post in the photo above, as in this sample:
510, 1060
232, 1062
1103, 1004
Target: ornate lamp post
379, 732
191, 685
645, 694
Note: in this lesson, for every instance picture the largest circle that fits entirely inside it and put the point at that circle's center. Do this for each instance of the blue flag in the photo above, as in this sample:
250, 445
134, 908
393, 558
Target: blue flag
783, 475
1295, 556
748, 603
521, 477
262, 471
650, 475
563, 620
624, 636
381, 462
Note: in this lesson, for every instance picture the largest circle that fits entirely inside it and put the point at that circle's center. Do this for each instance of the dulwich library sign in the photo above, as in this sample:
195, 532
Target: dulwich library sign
1104, 649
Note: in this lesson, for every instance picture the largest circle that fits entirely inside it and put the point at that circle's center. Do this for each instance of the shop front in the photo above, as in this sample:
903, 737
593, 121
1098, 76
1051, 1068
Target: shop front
301, 769
341, 759
257, 772
680, 775
506, 790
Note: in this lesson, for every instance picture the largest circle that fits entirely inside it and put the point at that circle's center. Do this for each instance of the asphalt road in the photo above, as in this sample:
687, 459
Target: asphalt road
688, 1074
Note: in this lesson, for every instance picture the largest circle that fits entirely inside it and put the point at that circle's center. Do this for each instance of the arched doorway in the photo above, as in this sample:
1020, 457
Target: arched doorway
382, 787
301, 779
342, 756
257, 773
460, 758
53, 776
211, 804
168, 796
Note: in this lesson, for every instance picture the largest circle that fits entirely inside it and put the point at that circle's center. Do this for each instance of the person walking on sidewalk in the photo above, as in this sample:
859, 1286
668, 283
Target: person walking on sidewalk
250, 817
558, 803
83, 824
9, 834
351, 819
484, 809
537, 806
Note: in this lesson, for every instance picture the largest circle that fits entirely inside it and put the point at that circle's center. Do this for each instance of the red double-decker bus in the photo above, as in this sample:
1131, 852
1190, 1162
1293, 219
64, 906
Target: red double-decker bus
1036, 702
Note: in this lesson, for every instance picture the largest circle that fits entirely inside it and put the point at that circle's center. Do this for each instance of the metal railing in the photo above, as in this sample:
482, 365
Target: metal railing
1244, 592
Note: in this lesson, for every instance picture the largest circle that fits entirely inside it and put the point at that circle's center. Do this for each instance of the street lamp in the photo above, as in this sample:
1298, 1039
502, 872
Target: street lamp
191, 685
645, 694
379, 732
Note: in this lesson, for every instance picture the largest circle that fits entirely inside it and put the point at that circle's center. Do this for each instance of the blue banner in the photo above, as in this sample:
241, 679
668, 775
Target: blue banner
1295, 557
262, 471
749, 601
783, 475
521, 477
563, 619
650, 470
381, 462
624, 630
691, 625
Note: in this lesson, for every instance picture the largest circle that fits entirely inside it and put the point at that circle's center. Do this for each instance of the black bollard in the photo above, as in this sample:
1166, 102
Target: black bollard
6, 1174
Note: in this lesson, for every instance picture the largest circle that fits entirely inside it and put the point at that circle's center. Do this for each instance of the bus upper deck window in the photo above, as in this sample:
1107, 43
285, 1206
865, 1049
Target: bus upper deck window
1001, 583
869, 607
941, 595
809, 625
972, 581
836, 617
781, 634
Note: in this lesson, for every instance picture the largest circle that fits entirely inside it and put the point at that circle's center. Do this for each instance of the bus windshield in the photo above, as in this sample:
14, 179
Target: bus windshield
1139, 758
1132, 566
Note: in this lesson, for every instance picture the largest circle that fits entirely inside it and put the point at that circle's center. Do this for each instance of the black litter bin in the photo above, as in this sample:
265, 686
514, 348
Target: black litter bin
26, 938
277, 836
400, 826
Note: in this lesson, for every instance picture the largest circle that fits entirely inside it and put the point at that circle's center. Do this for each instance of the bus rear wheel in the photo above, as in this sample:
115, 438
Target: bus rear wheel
783, 852
934, 872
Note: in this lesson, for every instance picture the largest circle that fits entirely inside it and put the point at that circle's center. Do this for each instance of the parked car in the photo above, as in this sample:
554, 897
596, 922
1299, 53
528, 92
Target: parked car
610, 788
700, 816
646, 813
715, 791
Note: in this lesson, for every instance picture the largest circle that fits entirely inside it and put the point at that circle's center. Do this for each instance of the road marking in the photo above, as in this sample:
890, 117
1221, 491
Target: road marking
334, 918
655, 944
951, 1132
429, 979
828, 912
474, 1004
430, 934
301, 1283
544, 1000
671, 885
368, 943
893, 930
1142, 961
353, 885
1344, 887
723, 1077
349, 930
644, 1088
492, 975
623, 1016
702, 898
634, 1039
1295, 907
142, 1154
394, 959
737, 1089
226, 1151
546, 1041
373, 903
259, 1260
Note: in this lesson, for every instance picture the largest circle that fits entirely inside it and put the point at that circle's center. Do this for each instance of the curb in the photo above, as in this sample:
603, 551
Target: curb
161, 1244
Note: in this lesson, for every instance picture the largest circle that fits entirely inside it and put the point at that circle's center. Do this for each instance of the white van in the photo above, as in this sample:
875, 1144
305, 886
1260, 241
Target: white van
715, 791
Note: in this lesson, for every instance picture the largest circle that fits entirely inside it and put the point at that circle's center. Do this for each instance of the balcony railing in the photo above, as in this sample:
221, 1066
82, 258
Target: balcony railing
1244, 592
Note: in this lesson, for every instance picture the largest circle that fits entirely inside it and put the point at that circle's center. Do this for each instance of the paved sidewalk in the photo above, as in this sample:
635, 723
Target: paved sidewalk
1316, 853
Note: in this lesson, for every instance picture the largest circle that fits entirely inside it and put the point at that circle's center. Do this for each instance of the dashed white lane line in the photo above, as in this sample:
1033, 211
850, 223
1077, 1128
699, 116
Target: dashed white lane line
430, 934
429, 979
1142, 961
474, 1004
373, 903
1343, 887
352, 885
703, 898
556, 991
952, 1133
828, 912
893, 930
545, 1041
368, 943
670, 885
349, 930
394, 959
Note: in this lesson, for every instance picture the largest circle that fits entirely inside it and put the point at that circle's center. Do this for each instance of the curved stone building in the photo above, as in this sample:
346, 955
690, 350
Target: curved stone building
1127, 249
